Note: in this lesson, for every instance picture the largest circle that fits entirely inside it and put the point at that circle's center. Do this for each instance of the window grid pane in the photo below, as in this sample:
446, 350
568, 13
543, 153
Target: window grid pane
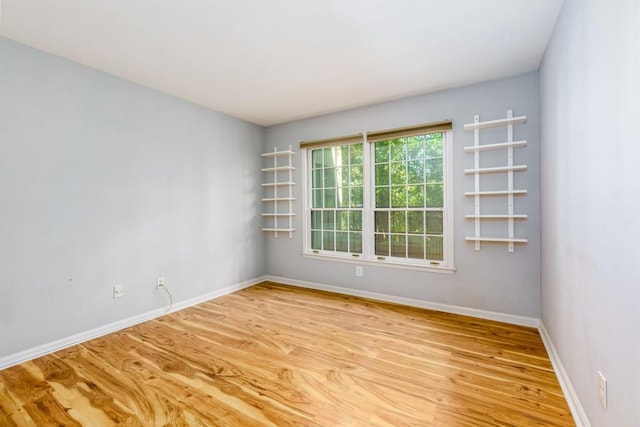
337, 198
409, 197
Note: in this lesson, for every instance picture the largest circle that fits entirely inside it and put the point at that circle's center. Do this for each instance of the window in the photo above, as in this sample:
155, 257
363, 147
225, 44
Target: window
337, 198
383, 198
409, 197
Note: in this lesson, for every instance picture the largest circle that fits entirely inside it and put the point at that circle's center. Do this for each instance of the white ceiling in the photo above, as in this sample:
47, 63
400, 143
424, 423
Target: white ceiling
274, 61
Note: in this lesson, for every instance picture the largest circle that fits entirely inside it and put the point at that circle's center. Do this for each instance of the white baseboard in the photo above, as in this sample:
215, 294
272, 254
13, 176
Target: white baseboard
41, 350
466, 311
579, 415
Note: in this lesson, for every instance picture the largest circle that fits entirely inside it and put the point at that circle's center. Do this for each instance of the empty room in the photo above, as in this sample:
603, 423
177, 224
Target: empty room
319, 213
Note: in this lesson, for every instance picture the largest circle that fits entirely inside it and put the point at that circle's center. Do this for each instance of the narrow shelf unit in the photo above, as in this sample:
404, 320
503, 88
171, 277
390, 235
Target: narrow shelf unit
278, 200
509, 169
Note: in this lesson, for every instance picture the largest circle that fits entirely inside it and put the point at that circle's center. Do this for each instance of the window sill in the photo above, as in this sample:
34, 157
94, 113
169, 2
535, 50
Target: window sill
387, 264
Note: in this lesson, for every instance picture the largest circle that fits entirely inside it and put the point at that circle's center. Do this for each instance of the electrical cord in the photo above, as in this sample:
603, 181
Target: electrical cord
164, 286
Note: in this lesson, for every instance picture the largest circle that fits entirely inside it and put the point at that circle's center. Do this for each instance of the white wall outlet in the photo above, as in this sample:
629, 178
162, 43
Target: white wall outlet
358, 271
602, 390
118, 291
160, 283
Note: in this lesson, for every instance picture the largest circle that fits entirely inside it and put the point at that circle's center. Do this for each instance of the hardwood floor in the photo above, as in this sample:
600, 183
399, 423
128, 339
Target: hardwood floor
274, 355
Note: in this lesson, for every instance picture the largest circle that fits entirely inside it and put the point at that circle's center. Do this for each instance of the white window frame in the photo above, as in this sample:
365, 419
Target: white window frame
368, 256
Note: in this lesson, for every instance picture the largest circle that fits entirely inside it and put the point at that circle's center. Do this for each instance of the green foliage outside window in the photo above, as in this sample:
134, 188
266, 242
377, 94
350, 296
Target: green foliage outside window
409, 197
337, 198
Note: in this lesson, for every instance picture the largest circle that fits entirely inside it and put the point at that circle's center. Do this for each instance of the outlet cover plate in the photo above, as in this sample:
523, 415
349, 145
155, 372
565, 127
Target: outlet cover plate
602, 390
118, 291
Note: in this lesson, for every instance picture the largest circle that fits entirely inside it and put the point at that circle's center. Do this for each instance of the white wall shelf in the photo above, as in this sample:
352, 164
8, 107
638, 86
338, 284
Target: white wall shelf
279, 192
496, 193
278, 214
518, 168
279, 169
276, 153
278, 184
496, 239
485, 147
497, 216
509, 169
509, 121
278, 199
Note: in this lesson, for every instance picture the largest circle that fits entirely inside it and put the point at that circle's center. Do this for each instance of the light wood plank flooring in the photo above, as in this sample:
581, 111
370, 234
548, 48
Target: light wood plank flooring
275, 355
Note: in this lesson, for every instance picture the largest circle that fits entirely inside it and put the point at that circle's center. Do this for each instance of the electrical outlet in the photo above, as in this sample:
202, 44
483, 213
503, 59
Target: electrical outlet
118, 291
358, 271
602, 390
160, 283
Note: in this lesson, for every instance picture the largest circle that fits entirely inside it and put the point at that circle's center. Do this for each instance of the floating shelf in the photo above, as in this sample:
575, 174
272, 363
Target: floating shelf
485, 147
496, 193
509, 168
279, 190
496, 123
518, 168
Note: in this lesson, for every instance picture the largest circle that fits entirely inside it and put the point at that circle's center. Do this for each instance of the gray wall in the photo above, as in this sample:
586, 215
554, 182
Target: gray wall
102, 182
491, 279
590, 152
